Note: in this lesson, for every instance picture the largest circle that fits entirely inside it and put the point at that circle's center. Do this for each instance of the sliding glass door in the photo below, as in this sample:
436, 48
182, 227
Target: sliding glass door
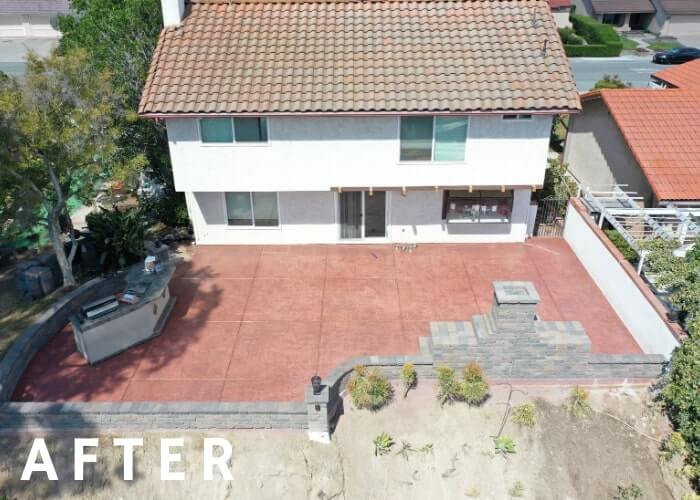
362, 215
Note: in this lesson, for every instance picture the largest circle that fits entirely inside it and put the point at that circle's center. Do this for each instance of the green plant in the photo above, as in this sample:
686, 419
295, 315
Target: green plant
409, 377
629, 253
610, 82
448, 387
628, 43
426, 448
557, 184
681, 395
369, 389
474, 386
673, 446
601, 39
690, 496
524, 415
382, 444
630, 492
504, 445
578, 402
660, 45
118, 236
170, 209
517, 490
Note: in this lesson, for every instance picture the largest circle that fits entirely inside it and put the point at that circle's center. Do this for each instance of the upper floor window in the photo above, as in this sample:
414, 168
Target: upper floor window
433, 138
517, 117
229, 130
252, 209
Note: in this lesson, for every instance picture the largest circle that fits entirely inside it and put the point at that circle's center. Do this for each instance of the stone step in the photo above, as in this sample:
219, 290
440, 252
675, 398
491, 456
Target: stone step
483, 326
452, 333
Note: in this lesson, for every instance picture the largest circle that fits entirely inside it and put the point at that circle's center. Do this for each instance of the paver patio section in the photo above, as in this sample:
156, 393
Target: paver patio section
254, 323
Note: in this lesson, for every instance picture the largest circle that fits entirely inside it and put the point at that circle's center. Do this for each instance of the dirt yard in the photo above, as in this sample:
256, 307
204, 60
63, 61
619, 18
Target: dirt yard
560, 458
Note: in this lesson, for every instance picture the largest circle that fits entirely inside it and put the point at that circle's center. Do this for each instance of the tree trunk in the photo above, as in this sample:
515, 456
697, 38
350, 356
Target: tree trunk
59, 249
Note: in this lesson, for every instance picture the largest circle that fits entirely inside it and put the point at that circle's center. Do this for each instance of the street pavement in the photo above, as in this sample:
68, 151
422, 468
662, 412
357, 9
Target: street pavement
635, 70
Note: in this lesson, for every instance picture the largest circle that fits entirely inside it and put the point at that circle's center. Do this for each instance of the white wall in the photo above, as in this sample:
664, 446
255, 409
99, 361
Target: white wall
311, 217
644, 323
319, 153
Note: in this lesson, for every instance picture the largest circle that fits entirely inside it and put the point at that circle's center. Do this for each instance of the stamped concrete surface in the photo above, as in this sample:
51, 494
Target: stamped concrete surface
254, 323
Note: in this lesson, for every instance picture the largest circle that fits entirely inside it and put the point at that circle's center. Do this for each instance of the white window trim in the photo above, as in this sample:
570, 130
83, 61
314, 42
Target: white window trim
519, 117
252, 211
432, 146
234, 143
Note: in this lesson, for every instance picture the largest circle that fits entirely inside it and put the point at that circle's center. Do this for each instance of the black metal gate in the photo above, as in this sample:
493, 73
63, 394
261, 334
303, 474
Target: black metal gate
549, 220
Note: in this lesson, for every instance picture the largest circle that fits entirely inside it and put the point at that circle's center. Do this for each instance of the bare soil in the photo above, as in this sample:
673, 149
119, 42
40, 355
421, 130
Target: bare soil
560, 458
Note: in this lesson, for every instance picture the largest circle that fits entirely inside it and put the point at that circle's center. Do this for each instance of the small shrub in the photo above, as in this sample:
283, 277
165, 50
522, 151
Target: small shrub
472, 492
610, 82
517, 490
579, 405
170, 209
382, 444
504, 445
630, 492
369, 389
474, 386
448, 387
409, 377
601, 39
673, 446
524, 415
118, 236
629, 253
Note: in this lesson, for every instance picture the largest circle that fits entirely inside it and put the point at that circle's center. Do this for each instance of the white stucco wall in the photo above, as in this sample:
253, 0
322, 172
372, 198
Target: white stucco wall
641, 319
319, 153
561, 18
312, 217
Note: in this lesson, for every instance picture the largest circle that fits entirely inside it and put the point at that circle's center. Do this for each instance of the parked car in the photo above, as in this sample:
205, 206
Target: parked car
677, 56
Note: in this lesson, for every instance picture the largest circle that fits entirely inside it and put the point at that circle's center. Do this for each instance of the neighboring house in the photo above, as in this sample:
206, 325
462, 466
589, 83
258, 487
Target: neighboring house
31, 18
676, 18
561, 9
685, 75
647, 140
624, 15
324, 122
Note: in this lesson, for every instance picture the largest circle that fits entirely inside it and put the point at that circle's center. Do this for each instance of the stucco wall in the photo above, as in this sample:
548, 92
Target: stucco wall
561, 18
319, 153
598, 155
28, 26
616, 279
312, 217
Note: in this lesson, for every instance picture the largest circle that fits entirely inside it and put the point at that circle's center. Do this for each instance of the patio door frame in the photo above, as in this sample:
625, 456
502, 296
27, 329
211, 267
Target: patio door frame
363, 238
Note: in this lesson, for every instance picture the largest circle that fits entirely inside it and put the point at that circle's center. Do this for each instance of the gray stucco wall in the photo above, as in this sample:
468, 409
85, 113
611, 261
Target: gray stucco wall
598, 155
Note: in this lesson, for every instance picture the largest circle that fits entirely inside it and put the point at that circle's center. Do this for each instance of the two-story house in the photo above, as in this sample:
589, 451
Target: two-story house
324, 121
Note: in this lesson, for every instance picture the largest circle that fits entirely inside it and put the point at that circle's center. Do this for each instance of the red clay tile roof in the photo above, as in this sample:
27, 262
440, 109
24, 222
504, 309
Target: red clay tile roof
662, 129
559, 4
366, 56
685, 75
622, 6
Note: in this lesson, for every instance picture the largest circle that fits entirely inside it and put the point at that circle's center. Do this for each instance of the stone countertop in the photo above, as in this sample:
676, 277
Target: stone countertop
154, 283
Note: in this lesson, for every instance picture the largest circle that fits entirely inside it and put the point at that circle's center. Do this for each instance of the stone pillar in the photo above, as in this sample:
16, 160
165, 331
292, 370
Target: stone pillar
318, 414
514, 304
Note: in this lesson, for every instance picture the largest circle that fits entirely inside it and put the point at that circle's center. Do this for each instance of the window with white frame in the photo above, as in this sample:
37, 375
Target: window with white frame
252, 209
513, 118
432, 138
229, 130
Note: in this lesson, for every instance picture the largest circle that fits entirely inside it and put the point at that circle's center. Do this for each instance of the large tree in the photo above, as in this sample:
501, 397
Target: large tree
121, 37
59, 133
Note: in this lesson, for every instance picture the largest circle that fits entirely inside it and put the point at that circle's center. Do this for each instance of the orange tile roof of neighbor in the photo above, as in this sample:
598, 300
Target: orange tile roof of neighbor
387, 56
685, 75
662, 129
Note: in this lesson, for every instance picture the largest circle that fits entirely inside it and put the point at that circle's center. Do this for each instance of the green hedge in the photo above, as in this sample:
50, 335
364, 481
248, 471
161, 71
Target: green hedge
602, 39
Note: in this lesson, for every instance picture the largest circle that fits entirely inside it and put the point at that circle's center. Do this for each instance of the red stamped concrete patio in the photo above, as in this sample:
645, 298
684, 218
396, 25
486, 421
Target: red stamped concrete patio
255, 323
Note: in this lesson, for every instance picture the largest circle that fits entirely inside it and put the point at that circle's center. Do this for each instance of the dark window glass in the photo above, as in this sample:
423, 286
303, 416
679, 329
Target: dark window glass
250, 129
416, 138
